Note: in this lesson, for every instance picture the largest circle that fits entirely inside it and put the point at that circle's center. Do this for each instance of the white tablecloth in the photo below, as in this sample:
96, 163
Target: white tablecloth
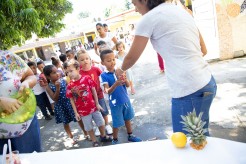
217, 151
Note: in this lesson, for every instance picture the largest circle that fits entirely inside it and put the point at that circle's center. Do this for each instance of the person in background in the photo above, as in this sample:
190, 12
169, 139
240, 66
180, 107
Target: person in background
56, 62
40, 94
120, 47
43, 81
63, 108
63, 58
71, 55
83, 96
107, 37
191, 83
120, 105
86, 68
15, 76
161, 63
106, 27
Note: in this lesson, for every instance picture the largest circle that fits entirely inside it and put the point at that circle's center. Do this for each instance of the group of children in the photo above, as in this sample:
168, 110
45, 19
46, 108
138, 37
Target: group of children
80, 96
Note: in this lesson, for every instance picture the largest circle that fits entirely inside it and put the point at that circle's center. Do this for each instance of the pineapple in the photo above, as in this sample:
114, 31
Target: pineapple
194, 126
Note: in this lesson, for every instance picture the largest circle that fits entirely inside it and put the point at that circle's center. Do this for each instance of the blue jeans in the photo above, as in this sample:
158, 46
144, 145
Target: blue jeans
27, 143
201, 101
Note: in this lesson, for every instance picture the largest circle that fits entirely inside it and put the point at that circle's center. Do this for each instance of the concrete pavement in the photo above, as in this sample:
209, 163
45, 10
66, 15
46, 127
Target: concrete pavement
153, 109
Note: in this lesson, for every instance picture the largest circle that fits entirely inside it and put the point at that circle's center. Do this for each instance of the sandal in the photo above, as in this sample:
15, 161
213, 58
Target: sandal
95, 144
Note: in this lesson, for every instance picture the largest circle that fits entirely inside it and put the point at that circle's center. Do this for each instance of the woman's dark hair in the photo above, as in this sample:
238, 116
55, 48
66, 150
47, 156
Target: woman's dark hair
104, 53
48, 69
105, 25
99, 24
31, 64
153, 3
63, 57
55, 61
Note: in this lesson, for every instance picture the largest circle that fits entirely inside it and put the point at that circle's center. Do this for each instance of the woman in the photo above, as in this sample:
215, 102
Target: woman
107, 37
174, 35
15, 76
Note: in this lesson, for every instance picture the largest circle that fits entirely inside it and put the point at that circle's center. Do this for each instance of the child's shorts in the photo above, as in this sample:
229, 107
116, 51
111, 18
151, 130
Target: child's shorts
121, 113
102, 102
96, 117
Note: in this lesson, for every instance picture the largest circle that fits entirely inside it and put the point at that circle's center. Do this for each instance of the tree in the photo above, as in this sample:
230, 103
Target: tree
20, 19
127, 4
107, 12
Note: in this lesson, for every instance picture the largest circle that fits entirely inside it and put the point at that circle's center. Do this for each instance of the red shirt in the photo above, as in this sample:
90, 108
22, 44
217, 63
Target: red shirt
94, 73
80, 91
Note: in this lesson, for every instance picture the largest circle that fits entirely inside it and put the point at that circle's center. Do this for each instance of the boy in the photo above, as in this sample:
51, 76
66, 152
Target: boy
86, 68
83, 97
40, 94
120, 105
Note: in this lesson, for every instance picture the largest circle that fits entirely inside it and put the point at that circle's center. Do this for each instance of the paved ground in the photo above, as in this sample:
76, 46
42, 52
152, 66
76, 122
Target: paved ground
152, 105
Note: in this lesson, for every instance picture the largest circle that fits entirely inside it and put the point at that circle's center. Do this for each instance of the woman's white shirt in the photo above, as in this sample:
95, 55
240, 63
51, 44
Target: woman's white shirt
174, 34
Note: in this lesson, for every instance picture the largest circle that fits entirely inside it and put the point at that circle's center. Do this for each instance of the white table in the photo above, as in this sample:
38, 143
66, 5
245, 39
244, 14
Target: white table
217, 151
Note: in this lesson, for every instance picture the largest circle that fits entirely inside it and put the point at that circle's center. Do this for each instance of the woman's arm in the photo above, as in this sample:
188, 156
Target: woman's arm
28, 80
95, 48
136, 50
115, 42
203, 45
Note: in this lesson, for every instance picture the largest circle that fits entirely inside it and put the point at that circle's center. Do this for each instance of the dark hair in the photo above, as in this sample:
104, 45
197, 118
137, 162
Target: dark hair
119, 43
73, 62
104, 53
30, 63
153, 3
47, 70
55, 61
99, 24
40, 62
72, 52
63, 57
101, 42
105, 25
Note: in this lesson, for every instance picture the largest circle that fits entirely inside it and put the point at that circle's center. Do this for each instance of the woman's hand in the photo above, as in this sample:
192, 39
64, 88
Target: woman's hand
9, 105
23, 86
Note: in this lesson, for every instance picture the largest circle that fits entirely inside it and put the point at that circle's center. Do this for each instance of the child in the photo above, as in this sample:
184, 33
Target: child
120, 47
40, 94
56, 62
120, 105
86, 68
83, 97
63, 108
43, 81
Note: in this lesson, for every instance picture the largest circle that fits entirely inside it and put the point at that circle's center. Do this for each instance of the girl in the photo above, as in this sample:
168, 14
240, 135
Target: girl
104, 36
56, 62
63, 108
120, 47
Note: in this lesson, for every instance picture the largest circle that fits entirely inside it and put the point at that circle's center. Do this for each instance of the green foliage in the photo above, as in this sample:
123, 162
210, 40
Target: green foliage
19, 19
107, 12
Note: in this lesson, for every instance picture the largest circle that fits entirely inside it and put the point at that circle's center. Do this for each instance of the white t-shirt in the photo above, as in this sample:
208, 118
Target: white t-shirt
37, 89
108, 39
173, 33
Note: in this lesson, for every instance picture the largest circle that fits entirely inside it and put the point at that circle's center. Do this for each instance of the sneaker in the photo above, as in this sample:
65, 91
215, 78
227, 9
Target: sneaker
133, 138
108, 129
95, 144
97, 132
105, 139
52, 113
115, 142
48, 117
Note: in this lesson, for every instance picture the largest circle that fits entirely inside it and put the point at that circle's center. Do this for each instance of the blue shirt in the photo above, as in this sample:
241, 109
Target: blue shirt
119, 96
